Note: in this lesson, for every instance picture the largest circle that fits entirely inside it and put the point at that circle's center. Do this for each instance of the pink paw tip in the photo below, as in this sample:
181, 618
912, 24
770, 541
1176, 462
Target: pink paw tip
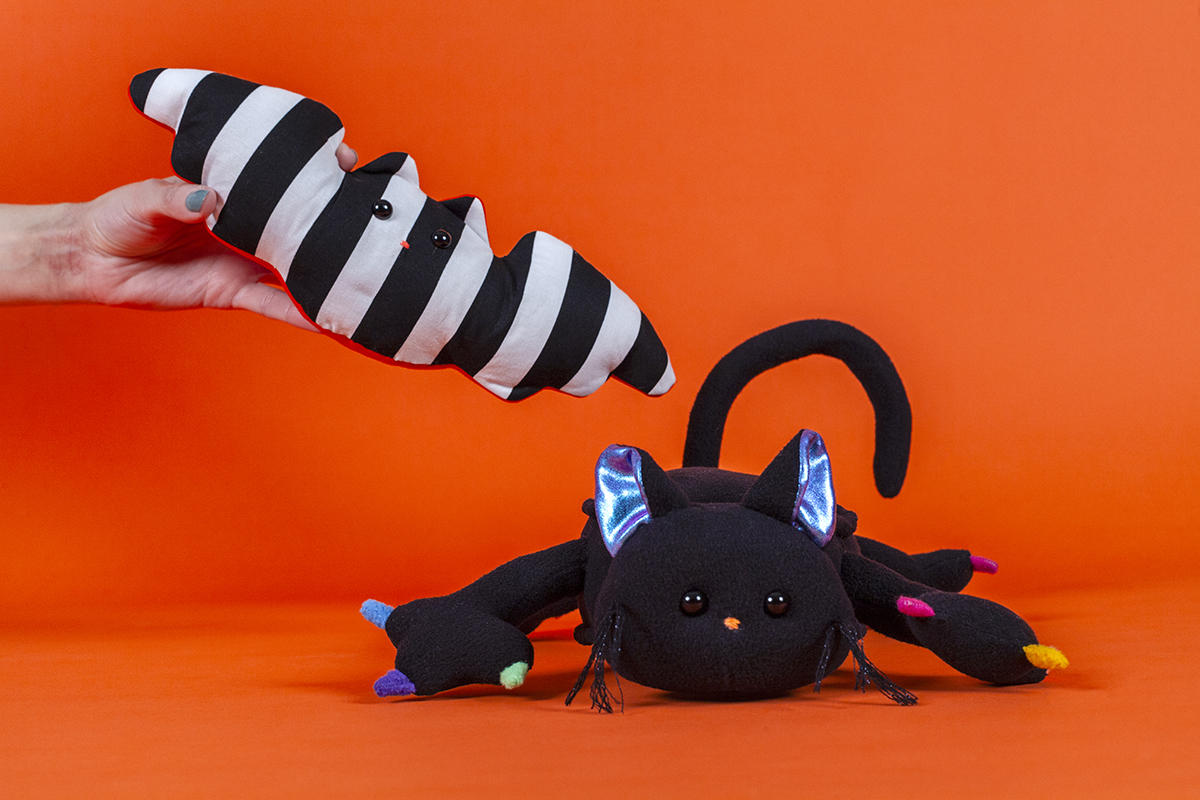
981, 564
912, 607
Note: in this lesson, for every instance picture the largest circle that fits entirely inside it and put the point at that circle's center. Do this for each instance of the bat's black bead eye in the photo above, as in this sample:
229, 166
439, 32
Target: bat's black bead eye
693, 603
776, 604
442, 239
382, 209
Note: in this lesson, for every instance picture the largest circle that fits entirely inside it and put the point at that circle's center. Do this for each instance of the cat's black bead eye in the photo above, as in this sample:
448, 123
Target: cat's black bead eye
382, 209
776, 604
693, 603
442, 239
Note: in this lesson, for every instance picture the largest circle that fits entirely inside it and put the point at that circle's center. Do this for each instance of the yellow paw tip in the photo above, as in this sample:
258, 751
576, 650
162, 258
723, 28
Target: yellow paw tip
513, 675
1044, 656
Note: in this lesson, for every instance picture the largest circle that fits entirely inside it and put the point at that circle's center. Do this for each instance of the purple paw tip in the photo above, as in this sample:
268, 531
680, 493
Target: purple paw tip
394, 683
912, 607
981, 564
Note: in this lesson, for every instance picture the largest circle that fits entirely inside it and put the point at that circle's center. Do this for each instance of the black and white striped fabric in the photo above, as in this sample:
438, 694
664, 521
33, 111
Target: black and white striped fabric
368, 256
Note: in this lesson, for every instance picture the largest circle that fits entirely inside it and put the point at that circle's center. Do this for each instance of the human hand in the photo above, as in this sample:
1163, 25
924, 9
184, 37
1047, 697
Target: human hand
143, 245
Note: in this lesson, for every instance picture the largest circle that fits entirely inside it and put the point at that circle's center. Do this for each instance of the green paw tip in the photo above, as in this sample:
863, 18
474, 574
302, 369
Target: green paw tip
513, 675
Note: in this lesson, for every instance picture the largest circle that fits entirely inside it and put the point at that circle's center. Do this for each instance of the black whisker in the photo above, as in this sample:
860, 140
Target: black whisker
867, 673
826, 653
604, 649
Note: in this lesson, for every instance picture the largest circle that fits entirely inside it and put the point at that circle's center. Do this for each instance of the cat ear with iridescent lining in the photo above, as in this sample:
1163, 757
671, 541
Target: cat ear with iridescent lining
797, 488
631, 489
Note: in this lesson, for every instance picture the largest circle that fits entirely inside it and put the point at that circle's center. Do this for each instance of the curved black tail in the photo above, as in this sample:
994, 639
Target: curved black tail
865, 358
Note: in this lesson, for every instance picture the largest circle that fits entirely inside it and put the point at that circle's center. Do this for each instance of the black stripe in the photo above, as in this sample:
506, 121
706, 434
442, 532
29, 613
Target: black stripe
387, 164
209, 107
330, 241
270, 171
647, 360
575, 329
139, 87
410, 284
483, 329
459, 206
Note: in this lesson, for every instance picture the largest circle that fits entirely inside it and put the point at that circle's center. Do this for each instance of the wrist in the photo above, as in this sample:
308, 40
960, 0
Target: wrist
38, 254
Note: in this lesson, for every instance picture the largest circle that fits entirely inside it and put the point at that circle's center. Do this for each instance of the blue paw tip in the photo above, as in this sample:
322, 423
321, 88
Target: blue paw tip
376, 612
394, 684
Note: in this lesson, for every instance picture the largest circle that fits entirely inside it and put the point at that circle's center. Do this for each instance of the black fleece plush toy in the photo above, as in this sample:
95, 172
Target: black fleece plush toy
713, 583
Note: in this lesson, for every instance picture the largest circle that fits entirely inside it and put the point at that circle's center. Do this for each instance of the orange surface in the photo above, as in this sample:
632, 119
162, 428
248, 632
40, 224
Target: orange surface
275, 701
1003, 194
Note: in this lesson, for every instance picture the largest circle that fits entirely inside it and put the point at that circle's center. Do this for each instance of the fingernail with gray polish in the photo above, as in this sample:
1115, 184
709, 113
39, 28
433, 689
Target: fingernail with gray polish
196, 199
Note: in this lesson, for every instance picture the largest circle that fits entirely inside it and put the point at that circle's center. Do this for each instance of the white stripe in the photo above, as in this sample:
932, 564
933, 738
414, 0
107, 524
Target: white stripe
372, 260
475, 219
450, 301
307, 196
618, 332
169, 94
549, 270
665, 382
241, 135
408, 171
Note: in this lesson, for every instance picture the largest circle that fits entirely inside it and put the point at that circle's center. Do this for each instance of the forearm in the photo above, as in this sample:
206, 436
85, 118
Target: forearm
37, 245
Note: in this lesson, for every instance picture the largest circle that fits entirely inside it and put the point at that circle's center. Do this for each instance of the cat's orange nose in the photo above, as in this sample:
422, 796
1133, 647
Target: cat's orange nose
733, 623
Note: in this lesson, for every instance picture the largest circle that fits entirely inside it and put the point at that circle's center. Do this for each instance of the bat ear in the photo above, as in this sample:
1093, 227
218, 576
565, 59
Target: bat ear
392, 164
797, 488
631, 489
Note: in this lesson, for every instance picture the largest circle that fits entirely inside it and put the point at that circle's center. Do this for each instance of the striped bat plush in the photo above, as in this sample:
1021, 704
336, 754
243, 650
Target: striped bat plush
366, 255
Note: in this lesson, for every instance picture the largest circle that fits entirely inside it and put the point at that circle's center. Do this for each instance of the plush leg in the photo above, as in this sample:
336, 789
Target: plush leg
947, 570
975, 636
557, 609
471, 636
978, 638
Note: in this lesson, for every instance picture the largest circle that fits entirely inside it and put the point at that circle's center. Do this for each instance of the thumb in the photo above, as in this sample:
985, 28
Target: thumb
192, 203
174, 199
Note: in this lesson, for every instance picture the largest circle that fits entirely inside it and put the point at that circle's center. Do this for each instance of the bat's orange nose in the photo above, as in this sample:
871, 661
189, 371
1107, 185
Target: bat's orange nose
733, 623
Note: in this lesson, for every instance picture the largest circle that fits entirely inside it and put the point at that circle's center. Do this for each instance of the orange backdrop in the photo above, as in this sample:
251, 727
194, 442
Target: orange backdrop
1003, 194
